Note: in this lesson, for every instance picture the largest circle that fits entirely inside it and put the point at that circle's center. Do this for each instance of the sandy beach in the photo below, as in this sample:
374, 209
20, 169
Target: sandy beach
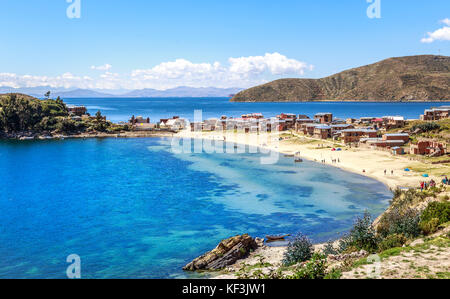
367, 162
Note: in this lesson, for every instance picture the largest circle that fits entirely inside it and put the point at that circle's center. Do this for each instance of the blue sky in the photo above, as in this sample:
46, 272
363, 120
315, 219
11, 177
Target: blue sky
162, 44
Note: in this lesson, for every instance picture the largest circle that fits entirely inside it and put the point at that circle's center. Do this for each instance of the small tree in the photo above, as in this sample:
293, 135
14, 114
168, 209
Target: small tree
361, 236
47, 95
300, 249
98, 116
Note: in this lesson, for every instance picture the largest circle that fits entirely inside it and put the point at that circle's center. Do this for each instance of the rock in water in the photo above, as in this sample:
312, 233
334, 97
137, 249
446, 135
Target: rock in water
225, 254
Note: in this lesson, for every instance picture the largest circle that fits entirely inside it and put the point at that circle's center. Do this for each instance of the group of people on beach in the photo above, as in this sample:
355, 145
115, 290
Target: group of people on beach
432, 183
426, 185
386, 172
333, 161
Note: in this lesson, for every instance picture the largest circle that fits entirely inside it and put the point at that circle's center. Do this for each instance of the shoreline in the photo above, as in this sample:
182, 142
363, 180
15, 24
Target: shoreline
143, 134
373, 162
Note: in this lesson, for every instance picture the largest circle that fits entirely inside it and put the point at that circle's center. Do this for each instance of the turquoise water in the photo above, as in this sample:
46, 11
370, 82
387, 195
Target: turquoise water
121, 109
130, 208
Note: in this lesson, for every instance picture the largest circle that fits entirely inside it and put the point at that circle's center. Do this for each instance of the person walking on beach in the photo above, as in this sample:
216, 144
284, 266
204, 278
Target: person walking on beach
385, 171
392, 172
432, 183
422, 185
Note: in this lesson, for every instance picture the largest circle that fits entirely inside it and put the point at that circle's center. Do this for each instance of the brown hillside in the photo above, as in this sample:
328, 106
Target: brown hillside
413, 78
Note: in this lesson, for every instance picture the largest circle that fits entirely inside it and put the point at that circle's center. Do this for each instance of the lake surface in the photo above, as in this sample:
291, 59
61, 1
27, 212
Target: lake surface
131, 208
120, 109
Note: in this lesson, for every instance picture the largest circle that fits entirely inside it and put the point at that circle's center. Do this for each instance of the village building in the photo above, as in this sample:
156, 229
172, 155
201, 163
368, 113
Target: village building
253, 116
384, 144
144, 127
176, 123
397, 151
388, 141
322, 132
77, 110
429, 147
366, 120
436, 114
308, 129
355, 135
324, 118
301, 122
287, 116
340, 127
402, 136
393, 122
139, 120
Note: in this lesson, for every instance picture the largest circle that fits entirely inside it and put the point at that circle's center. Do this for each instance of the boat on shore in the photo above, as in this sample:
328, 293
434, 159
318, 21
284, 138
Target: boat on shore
276, 238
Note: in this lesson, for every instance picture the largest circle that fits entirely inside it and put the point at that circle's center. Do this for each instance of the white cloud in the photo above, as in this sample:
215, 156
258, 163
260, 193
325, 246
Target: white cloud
237, 72
442, 34
275, 63
105, 67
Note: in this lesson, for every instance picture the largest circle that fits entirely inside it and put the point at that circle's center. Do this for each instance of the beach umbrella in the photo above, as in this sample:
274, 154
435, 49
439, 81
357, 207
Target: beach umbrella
407, 169
425, 175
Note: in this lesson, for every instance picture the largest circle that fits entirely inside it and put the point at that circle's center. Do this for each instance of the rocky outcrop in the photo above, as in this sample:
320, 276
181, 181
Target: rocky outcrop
401, 79
343, 257
225, 254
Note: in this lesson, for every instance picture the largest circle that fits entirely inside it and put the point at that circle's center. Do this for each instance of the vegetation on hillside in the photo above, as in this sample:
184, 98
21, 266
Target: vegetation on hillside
25, 115
413, 214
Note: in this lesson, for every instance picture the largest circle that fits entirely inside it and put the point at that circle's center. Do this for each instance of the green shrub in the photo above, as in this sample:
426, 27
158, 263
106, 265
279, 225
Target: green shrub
313, 269
427, 127
329, 249
392, 241
66, 125
439, 210
430, 227
361, 237
397, 221
334, 274
300, 249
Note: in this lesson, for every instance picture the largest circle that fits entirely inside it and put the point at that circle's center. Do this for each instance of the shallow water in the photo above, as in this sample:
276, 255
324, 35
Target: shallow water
130, 208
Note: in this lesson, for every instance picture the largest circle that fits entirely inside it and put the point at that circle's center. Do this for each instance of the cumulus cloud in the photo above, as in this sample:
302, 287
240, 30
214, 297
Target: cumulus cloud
442, 34
236, 72
105, 67
275, 63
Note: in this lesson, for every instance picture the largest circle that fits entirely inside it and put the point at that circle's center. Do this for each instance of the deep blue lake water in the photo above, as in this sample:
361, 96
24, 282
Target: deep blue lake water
130, 208
119, 109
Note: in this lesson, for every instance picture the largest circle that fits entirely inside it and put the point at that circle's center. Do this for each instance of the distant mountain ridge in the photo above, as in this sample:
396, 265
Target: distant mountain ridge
181, 91
401, 79
184, 91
